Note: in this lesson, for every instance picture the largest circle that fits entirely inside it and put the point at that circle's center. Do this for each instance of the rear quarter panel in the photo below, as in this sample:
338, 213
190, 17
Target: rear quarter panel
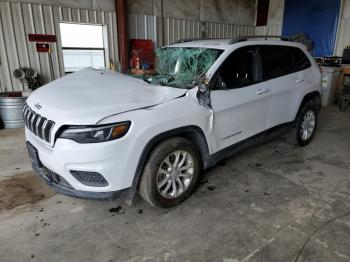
312, 83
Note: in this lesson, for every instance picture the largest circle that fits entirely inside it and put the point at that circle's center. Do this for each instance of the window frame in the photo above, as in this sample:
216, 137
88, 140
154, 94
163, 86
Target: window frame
257, 64
84, 48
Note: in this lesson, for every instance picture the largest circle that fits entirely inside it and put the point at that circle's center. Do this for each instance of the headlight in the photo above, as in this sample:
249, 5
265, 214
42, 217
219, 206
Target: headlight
96, 134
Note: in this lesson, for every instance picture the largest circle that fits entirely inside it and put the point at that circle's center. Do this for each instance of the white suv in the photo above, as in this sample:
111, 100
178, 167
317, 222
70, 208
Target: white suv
97, 134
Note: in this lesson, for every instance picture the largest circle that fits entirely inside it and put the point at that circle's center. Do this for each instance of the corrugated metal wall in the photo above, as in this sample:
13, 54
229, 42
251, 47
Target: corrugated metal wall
217, 30
17, 20
149, 27
143, 27
268, 30
176, 29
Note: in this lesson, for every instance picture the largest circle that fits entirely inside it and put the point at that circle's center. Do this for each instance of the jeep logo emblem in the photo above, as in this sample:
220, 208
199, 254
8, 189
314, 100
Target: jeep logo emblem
38, 106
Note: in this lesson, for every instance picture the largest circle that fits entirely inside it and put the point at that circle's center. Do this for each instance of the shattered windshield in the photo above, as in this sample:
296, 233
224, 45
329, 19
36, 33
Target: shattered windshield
182, 66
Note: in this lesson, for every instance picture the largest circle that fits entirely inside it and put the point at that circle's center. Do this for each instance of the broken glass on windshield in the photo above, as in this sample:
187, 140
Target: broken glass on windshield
182, 66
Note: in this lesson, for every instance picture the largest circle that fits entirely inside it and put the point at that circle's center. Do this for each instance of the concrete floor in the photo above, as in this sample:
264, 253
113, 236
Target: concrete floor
269, 203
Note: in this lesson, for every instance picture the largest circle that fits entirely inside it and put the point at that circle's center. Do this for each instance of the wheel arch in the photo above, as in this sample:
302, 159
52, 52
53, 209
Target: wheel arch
309, 96
193, 133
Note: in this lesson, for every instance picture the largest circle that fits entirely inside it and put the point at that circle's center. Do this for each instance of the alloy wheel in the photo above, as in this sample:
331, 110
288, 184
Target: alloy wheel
175, 174
308, 125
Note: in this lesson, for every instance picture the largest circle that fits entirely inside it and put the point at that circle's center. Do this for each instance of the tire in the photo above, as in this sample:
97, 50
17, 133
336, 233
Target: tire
150, 185
295, 136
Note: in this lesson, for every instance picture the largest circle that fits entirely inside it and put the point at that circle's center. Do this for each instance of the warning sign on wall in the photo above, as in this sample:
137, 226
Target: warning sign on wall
42, 48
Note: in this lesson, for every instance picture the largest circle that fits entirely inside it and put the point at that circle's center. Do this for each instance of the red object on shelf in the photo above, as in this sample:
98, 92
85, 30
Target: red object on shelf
142, 50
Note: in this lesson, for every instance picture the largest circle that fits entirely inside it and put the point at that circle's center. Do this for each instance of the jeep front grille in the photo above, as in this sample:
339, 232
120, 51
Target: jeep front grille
37, 124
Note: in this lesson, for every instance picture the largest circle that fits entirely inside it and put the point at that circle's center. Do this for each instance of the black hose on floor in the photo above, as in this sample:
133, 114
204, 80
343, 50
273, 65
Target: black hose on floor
315, 231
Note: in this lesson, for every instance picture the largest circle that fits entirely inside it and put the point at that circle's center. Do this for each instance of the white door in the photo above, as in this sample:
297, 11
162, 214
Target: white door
283, 70
239, 103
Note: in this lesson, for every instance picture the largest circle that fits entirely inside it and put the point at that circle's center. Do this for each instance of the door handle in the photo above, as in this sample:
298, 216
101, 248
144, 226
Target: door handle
300, 81
261, 91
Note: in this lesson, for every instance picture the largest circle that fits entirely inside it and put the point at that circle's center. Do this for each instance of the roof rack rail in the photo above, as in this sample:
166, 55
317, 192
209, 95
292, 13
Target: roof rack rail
185, 40
245, 38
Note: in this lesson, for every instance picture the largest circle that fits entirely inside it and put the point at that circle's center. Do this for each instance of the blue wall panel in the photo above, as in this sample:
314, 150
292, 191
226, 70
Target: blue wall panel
317, 18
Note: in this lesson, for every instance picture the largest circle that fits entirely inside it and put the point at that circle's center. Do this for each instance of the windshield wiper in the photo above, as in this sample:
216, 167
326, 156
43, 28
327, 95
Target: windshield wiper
146, 79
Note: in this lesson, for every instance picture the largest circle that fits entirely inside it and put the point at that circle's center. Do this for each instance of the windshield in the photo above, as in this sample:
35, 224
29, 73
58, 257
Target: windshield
182, 67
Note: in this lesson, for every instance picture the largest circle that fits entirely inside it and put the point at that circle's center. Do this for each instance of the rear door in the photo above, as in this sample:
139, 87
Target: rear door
239, 103
283, 69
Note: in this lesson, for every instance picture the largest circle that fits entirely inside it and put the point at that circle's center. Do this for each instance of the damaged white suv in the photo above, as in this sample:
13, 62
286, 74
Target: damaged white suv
97, 134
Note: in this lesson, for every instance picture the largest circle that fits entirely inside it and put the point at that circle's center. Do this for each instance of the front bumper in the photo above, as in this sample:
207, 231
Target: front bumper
110, 159
63, 186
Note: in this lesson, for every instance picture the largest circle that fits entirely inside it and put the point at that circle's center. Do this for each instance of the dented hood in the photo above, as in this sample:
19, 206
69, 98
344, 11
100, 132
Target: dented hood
89, 95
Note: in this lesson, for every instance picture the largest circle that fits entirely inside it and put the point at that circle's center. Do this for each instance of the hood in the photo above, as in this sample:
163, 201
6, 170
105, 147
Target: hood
87, 96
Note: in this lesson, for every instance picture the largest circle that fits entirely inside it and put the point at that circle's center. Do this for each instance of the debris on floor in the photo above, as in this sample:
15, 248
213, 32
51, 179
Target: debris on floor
211, 188
115, 209
22, 189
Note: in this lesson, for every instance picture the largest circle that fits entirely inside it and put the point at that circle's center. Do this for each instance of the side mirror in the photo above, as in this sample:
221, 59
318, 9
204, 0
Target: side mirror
202, 88
203, 95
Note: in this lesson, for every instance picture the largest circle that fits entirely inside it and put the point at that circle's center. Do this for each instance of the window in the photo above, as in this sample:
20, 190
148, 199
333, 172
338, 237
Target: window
300, 59
82, 46
276, 61
239, 70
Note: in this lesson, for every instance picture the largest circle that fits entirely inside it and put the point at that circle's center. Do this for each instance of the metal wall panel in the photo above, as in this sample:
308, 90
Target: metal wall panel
176, 29
150, 27
143, 27
17, 20
268, 30
218, 30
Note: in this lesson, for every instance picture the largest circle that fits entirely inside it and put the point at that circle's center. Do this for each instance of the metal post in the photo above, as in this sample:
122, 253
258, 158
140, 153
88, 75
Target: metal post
123, 37
163, 22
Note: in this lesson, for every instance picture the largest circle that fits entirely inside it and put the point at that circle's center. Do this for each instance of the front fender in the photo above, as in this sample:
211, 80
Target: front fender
179, 117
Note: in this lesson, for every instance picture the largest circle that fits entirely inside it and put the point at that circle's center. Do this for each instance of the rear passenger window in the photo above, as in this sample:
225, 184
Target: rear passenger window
276, 61
300, 59
282, 60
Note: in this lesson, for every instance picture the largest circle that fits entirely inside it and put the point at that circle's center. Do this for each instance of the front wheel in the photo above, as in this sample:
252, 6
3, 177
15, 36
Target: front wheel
305, 125
171, 173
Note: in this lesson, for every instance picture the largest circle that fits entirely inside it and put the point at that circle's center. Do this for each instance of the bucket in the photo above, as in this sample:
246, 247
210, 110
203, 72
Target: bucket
11, 105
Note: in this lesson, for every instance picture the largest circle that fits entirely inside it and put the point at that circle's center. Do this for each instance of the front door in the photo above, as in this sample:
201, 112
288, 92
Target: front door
239, 103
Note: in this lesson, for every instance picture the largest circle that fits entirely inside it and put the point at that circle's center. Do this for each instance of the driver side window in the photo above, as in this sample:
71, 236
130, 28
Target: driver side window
240, 69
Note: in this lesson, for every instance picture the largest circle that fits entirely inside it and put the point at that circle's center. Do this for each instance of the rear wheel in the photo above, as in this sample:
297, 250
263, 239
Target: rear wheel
171, 173
305, 124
